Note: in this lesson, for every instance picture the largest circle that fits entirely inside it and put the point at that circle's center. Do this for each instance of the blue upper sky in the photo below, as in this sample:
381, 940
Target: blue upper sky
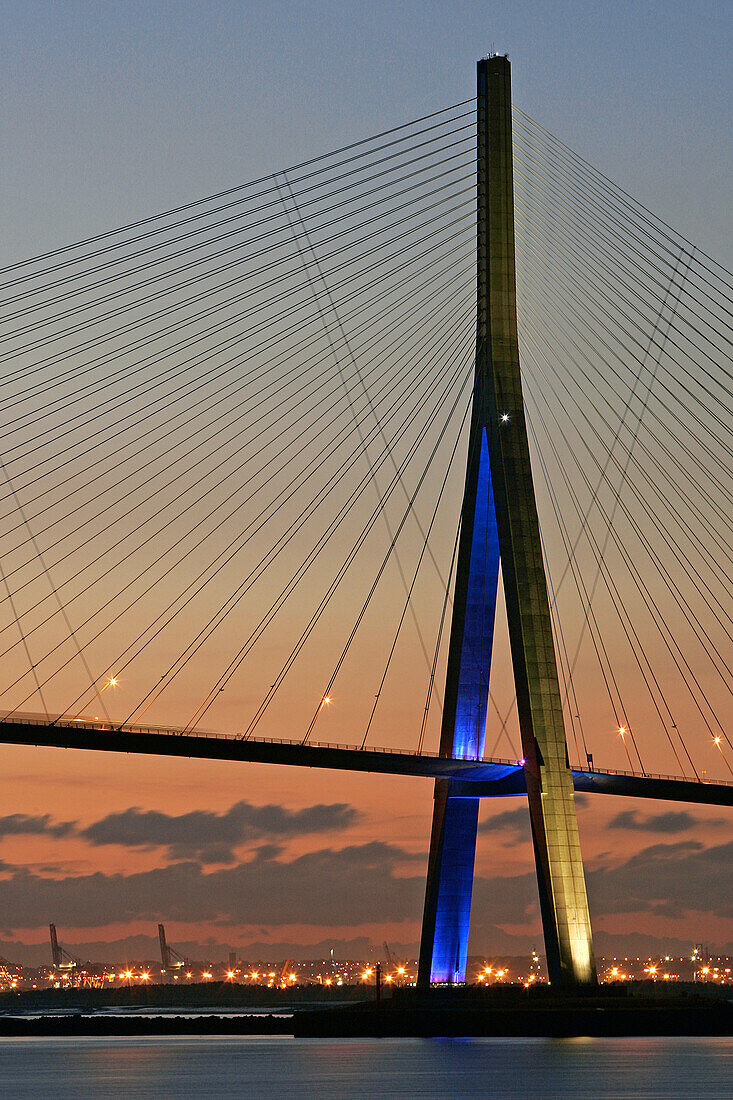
112, 111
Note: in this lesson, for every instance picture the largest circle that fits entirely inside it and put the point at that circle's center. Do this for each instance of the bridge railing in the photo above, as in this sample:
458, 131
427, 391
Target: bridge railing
171, 731
653, 775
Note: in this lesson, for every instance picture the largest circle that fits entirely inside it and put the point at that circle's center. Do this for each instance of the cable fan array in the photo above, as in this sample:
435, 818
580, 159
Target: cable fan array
218, 419
235, 443
626, 349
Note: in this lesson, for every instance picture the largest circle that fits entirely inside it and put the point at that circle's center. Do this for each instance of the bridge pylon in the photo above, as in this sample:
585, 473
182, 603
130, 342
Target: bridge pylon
499, 523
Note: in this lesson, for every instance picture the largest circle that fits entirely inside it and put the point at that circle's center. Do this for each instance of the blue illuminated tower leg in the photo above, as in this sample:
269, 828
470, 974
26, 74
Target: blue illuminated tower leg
444, 946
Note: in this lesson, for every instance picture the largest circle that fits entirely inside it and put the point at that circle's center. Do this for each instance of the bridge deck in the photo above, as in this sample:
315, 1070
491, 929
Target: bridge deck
484, 778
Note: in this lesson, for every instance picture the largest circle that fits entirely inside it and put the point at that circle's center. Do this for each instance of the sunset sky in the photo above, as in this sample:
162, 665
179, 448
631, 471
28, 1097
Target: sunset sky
112, 113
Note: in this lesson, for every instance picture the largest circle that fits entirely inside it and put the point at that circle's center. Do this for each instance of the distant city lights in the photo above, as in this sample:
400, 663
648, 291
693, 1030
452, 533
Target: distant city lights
699, 966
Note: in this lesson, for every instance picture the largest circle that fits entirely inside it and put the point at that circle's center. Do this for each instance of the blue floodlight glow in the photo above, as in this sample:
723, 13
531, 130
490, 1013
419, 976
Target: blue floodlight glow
458, 848
478, 630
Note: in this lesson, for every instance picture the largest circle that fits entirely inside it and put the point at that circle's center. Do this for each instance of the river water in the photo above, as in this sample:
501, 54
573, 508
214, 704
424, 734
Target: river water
278, 1066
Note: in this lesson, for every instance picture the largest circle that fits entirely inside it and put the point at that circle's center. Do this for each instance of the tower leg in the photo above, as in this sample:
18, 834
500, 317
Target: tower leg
560, 875
444, 943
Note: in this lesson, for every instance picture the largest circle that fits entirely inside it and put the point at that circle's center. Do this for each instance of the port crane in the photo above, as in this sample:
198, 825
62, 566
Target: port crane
170, 958
62, 959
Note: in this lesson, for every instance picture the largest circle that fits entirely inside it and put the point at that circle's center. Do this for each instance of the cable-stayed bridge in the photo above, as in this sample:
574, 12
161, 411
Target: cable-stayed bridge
266, 454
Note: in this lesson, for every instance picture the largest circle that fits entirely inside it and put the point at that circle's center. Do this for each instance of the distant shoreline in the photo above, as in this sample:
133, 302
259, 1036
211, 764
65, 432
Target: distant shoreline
410, 1013
76, 1025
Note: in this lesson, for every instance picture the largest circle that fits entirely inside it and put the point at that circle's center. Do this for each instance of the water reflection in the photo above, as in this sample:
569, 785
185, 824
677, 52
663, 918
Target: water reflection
265, 1066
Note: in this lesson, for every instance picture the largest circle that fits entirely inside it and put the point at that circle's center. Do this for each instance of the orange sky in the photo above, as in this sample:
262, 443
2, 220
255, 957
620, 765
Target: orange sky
390, 811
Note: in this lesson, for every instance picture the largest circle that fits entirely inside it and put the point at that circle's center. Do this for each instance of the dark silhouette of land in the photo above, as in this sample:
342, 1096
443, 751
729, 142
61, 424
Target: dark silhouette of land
640, 1008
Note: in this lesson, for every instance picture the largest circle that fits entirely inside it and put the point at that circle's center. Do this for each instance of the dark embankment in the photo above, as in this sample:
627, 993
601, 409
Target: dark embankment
195, 1009
312, 1011
76, 1025
198, 995
514, 1012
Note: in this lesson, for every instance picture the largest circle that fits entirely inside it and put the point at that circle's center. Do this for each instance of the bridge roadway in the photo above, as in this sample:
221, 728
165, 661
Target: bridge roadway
485, 778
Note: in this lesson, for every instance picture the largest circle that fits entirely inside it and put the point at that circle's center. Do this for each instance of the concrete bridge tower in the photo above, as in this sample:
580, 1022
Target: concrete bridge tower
499, 522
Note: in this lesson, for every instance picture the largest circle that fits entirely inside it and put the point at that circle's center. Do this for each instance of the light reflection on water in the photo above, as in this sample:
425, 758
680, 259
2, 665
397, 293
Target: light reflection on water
256, 1066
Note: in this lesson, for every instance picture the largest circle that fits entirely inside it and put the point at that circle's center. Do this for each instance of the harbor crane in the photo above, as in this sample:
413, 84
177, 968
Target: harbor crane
170, 958
62, 959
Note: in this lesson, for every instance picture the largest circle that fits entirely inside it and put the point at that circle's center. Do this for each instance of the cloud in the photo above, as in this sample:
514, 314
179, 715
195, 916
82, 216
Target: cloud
670, 879
673, 878
349, 886
355, 886
674, 821
23, 825
515, 822
200, 834
212, 837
